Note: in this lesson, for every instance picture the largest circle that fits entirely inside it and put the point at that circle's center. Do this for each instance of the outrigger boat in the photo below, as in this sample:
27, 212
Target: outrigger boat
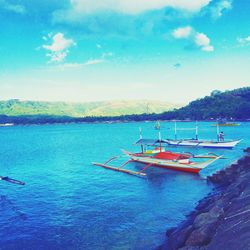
158, 157
202, 143
171, 160
225, 144
224, 123
13, 181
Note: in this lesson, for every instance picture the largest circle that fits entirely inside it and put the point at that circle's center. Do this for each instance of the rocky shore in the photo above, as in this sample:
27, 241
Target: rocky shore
222, 219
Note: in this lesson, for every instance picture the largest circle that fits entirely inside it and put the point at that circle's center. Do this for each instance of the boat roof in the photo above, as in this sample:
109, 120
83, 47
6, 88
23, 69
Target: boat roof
149, 142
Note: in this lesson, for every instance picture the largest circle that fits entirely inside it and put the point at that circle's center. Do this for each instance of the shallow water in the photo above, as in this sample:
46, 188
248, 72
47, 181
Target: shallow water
69, 204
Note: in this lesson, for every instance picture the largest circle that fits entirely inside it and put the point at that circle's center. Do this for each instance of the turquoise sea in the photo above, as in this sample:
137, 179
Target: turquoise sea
69, 204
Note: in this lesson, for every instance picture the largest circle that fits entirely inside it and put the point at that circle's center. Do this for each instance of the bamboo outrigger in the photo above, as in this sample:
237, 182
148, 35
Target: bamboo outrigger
120, 168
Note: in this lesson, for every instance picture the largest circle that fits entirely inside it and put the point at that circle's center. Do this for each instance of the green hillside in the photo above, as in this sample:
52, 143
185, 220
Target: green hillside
234, 104
16, 107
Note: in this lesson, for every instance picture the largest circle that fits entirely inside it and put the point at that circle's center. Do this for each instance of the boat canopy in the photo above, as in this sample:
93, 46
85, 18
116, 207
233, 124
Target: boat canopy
168, 155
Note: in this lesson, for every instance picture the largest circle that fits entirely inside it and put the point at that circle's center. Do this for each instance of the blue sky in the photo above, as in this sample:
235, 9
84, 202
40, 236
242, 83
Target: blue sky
83, 50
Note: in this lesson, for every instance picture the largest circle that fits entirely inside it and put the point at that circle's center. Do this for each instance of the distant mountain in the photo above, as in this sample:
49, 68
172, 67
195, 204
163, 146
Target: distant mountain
16, 107
234, 104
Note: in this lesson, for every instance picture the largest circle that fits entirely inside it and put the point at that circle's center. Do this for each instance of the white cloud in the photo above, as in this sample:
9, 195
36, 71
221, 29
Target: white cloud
93, 61
220, 7
201, 40
208, 48
182, 32
78, 65
16, 8
59, 48
135, 7
79, 8
244, 40
107, 54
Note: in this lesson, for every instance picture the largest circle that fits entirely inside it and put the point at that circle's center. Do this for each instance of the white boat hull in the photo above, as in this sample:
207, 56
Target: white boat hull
204, 144
191, 167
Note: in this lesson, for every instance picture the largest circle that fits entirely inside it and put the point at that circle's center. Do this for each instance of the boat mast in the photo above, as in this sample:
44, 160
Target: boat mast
218, 132
175, 131
159, 135
196, 130
140, 132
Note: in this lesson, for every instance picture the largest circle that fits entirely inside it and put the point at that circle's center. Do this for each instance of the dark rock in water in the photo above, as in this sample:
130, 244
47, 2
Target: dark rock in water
193, 248
204, 204
217, 211
219, 178
203, 219
202, 235
247, 150
170, 231
231, 194
234, 232
221, 220
244, 160
179, 237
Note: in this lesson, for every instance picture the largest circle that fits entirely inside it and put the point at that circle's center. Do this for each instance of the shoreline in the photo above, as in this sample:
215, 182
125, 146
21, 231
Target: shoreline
99, 122
221, 220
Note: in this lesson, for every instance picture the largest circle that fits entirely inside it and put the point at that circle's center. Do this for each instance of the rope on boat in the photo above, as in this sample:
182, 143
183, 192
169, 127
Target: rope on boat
211, 153
6, 178
189, 153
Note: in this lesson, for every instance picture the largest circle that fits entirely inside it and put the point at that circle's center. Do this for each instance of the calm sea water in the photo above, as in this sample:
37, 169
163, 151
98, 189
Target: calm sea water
69, 204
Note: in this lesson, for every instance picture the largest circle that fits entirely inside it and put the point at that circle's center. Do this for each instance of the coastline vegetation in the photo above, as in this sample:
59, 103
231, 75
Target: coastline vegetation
231, 105
16, 107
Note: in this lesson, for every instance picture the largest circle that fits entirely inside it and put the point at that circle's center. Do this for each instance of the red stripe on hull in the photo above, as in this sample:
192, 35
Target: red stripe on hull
188, 170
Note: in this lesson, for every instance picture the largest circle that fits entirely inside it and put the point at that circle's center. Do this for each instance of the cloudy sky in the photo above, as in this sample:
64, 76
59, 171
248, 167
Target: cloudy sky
85, 50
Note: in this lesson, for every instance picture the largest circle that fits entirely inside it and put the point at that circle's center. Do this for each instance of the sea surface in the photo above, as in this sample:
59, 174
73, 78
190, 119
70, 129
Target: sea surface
67, 203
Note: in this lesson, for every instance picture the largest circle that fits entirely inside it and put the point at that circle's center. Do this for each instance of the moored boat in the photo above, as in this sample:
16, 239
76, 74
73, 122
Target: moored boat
10, 180
157, 156
175, 161
219, 143
229, 144
227, 124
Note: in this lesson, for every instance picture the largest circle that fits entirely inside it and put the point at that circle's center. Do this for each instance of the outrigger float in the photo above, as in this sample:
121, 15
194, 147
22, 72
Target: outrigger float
158, 157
